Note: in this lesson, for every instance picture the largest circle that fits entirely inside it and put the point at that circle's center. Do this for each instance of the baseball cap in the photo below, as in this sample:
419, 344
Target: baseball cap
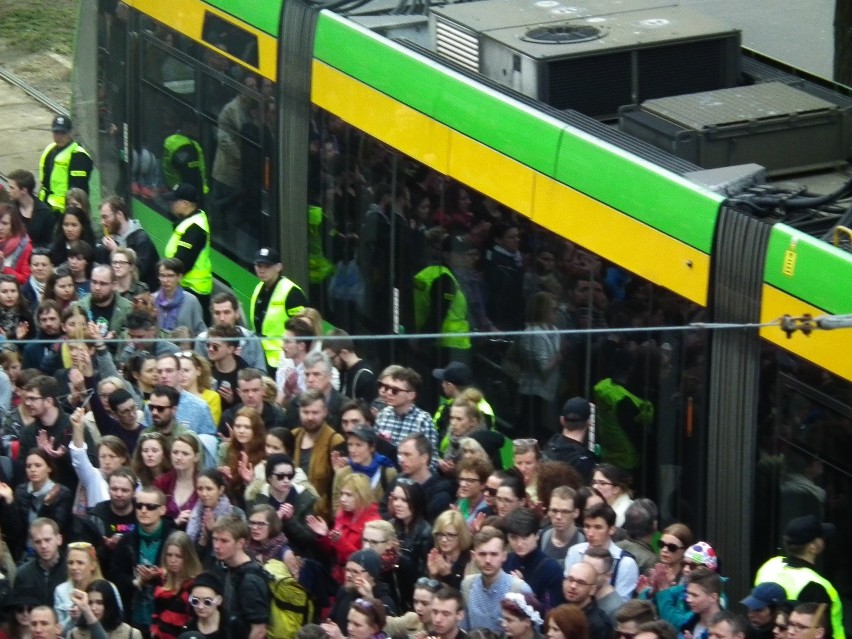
267, 256
61, 124
455, 373
803, 530
765, 595
576, 409
369, 560
367, 435
183, 192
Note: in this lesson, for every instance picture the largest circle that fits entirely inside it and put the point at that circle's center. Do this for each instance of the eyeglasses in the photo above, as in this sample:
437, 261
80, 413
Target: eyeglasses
671, 547
145, 506
690, 564
85, 546
257, 524
207, 602
469, 480
362, 603
405, 481
559, 512
373, 542
283, 476
579, 582
156, 408
213, 347
354, 571
32, 398
186, 354
601, 482
445, 535
488, 490
392, 390
425, 582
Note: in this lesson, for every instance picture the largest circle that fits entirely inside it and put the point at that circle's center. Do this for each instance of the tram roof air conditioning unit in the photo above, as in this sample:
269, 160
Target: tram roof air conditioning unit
592, 60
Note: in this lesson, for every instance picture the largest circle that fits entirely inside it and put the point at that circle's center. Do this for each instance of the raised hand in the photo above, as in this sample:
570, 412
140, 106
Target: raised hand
48, 445
317, 525
245, 469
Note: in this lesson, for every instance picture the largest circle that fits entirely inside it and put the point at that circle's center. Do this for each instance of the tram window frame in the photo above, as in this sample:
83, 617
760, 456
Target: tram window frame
149, 40
234, 34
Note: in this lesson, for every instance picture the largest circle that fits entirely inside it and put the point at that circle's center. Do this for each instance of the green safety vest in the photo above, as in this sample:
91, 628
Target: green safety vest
319, 267
616, 447
277, 314
54, 193
199, 278
793, 580
455, 318
171, 174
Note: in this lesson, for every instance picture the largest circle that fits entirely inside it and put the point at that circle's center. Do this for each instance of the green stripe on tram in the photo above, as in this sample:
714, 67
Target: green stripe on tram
264, 15
602, 172
821, 274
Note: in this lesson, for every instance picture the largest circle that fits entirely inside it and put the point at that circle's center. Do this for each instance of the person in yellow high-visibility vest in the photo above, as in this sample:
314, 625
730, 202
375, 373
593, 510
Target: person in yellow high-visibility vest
190, 243
64, 165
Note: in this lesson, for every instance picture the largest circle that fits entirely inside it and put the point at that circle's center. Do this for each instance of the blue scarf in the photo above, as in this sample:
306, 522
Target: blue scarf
168, 309
379, 460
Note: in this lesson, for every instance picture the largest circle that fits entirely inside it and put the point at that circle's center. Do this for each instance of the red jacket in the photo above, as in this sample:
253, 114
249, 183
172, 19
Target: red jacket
350, 529
21, 268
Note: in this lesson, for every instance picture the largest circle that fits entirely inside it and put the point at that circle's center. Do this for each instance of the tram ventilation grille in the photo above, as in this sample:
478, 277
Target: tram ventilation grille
457, 44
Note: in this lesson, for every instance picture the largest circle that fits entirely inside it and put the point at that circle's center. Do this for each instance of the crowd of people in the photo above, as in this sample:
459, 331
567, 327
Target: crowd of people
159, 450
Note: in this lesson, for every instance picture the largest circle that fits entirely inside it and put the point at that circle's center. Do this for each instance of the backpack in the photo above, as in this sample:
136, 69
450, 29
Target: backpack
290, 604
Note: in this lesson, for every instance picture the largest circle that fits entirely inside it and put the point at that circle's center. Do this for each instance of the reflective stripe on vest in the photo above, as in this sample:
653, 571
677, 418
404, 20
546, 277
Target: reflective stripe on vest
276, 316
199, 278
616, 446
54, 192
455, 318
793, 580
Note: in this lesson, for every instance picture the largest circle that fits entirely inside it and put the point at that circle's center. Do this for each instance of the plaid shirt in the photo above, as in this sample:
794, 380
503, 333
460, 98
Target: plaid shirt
395, 427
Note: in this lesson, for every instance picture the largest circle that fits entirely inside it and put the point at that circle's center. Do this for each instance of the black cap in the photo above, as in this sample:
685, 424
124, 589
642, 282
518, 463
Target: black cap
61, 124
369, 560
183, 192
209, 580
24, 596
455, 373
365, 434
803, 530
267, 256
576, 409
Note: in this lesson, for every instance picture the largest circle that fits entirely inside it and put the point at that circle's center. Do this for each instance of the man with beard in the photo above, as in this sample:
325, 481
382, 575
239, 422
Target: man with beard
43, 353
313, 443
107, 522
163, 405
106, 309
318, 375
120, 229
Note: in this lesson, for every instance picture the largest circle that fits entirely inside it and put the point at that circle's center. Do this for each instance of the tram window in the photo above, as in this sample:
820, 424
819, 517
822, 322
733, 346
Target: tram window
230, 38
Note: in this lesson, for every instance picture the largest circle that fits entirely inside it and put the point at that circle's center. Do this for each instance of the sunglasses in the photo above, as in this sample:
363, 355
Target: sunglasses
140, 505
214, 347
156, 408
207, 602
392, 390
671, 547
425, 582
282, 476
489, 491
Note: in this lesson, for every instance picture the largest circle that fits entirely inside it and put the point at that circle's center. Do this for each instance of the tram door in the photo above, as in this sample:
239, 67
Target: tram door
804, 468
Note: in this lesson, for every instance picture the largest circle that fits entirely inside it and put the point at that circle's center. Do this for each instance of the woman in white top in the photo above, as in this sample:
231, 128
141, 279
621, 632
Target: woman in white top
614, 484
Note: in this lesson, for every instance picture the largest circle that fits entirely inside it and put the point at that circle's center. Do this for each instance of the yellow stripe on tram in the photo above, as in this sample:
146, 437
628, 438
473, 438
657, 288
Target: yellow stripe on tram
565, 211
187, 17
829, 349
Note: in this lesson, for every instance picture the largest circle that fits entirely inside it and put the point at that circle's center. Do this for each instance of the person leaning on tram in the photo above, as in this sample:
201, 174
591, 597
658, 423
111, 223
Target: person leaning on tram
804, 538
64, 165
190, 243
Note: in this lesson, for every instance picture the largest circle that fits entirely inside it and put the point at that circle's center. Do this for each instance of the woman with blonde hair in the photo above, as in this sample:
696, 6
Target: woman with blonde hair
194, 377
124, 265
448, 561
180, 565
83, 568
344, 538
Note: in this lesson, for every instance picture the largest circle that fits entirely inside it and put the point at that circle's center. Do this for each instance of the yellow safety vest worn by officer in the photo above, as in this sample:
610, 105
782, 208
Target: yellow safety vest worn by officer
55, 186
199, 278
793, 580
192, 168
277, 314
455, 318
616, 446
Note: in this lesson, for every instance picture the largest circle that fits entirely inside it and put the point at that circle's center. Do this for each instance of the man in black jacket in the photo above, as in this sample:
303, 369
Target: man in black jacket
134, 566
47, 569
569, 446
413, 455
579, 589
108, 522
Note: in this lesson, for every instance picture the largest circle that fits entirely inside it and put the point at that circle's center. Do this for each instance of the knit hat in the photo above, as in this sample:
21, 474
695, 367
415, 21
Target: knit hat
701, 553
369, 560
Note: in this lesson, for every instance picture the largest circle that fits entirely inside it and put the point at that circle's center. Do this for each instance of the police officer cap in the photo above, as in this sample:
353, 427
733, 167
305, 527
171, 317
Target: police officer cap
183, 192
576, 409
61, 124
803, 530
267, 256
